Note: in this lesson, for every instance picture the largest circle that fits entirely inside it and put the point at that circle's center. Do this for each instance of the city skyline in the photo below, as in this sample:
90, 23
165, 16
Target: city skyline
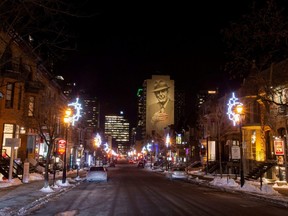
119, 48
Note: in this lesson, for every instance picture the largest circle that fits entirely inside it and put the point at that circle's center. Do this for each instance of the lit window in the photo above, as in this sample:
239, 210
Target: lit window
31, 104
9, 95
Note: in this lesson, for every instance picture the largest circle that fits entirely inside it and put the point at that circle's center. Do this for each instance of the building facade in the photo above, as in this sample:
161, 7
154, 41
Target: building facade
32, 104
252, 141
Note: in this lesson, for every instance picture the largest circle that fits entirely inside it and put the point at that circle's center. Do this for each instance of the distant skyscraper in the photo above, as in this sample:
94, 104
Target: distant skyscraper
90, 112
119, 128
203, 95
180, 108
70, 90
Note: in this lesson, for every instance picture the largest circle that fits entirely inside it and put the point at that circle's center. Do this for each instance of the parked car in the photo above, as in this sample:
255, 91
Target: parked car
132, 161
97, 173
141, 164
178, 173
158, 165
112, 164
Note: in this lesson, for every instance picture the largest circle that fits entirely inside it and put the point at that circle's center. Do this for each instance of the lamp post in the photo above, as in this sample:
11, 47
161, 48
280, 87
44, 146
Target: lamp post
97, 142
239, 112
236, 113
67, 120
168, 150
56, 161
219, 121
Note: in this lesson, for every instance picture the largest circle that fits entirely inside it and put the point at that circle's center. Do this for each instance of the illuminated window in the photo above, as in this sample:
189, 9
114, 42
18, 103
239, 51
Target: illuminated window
9, 95
31, 104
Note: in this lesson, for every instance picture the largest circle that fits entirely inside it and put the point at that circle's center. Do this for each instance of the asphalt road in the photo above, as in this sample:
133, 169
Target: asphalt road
137, 191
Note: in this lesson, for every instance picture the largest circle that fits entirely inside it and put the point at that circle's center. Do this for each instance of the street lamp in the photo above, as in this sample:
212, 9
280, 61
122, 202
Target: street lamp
235, 113
67, 120
98, 153
168, 149
239, 111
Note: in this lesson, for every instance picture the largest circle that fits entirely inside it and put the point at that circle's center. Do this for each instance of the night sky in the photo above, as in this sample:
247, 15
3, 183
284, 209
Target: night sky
122, 45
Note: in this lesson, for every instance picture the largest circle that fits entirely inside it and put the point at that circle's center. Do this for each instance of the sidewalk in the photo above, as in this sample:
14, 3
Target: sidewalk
269, 192
17, 199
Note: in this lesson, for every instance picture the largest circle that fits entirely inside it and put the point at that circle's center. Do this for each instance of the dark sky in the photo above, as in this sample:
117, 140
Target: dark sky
122, 45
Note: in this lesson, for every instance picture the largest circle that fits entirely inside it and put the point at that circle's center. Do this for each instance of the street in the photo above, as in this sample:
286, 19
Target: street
137, 191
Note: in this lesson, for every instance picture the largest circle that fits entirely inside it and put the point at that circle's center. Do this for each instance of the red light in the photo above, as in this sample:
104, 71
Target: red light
61, 147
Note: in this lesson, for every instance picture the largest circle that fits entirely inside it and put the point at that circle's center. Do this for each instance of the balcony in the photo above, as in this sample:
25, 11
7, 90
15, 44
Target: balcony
33, 86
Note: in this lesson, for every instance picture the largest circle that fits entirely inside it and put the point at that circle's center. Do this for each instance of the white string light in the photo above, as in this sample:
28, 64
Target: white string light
77, 107
233, 102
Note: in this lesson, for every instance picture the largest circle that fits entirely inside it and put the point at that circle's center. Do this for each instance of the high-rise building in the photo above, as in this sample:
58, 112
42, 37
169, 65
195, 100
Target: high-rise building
118, 128
70, 90
91, 112
180, 106
203, 95
158, 100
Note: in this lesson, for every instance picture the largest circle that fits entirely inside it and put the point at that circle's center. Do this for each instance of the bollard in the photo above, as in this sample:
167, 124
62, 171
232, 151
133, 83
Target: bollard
25, 178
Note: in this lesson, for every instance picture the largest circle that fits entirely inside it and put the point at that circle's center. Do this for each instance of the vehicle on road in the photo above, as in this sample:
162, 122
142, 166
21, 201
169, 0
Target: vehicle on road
112, 164
178, 173
141, 164
97, 173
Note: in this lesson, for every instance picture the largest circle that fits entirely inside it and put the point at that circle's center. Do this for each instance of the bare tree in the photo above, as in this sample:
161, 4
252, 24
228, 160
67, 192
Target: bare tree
258, 38
46, 25
47, 119
257, 52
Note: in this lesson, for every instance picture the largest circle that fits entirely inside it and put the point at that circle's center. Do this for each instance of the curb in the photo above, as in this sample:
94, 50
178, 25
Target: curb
43, 200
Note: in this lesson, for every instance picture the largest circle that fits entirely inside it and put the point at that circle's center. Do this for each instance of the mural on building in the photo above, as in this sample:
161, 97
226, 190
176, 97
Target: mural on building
160, 104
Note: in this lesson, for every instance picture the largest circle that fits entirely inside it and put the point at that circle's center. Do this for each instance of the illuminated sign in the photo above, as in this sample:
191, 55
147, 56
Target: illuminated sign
61, 146
178, 139
279, 147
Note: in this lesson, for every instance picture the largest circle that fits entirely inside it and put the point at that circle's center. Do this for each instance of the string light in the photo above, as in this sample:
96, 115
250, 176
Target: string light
77, 107
232, 104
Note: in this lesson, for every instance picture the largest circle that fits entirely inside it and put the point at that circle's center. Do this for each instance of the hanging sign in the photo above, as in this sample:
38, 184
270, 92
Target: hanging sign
235, 153
61, 146
279, 147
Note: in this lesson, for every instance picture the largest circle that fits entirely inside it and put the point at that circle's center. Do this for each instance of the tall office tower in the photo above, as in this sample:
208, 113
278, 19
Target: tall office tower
70, 90
159, 104
118, 127
180, 112
90, 112
203, 95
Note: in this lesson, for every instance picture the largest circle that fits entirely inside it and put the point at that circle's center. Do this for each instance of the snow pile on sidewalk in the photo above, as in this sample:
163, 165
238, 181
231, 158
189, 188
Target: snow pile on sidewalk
248, 186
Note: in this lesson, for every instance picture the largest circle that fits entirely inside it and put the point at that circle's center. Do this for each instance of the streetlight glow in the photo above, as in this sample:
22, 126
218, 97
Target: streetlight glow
67, 120
97, 140
235, 114
167, 140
